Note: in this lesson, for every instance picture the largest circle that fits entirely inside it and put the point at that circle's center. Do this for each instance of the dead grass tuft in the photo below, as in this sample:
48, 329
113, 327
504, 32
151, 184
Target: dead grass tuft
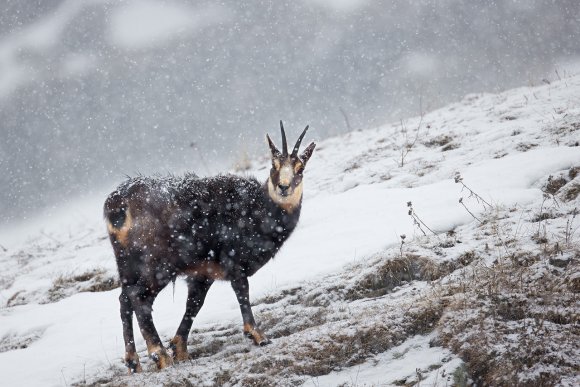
571, 192
392, 273
525, 146
438, 141
449, 147
554, 184
11, 342
18, 298
95, 280
396, 271
274, 298
344, 349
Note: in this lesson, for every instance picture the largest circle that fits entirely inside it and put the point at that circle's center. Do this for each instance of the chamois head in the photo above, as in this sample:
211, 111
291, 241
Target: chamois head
285, 182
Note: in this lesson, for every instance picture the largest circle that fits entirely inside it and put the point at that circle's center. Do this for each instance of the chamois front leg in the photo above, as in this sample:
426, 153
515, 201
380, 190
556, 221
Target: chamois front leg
242, 290
142, 302
131, 357
196, 291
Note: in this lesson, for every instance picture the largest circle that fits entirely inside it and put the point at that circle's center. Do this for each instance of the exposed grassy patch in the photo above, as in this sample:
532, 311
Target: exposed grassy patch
438, 141
96, 280
525, 146
554, 184
571, 192
12, 342
449, 147
515, 323
399, 270
18, 298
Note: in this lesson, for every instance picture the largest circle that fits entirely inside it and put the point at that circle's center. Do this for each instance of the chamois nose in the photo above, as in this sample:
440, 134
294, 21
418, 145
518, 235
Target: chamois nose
283, 189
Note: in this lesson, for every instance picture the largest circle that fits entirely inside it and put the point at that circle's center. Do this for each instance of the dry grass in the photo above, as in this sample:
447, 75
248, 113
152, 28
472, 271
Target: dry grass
515, 321
438, 141
12, 342
571, 192
394, 272
96, 280
566, 186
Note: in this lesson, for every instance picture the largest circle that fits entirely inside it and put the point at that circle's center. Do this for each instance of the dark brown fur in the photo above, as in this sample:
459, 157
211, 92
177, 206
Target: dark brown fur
219, 228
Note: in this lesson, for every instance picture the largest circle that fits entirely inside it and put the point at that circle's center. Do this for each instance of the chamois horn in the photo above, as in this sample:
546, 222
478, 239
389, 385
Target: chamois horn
284, 143
297, 146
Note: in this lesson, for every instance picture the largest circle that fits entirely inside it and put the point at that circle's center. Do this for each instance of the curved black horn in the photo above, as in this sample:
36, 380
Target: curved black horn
284, 144
297, 146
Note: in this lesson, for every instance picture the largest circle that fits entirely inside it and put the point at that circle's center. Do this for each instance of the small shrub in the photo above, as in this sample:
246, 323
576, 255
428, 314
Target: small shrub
438, 141
554, 184
571, 192
449, 147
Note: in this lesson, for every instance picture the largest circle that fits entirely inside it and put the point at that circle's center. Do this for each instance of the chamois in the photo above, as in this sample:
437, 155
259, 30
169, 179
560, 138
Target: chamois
217, 228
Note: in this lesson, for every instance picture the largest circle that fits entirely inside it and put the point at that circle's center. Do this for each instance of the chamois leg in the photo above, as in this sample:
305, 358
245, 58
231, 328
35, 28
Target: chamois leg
196, 292
142, 301
131, 357
242, 290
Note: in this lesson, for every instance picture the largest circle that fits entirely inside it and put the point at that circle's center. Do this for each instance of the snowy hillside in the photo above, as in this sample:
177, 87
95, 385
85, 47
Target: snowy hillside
439, 250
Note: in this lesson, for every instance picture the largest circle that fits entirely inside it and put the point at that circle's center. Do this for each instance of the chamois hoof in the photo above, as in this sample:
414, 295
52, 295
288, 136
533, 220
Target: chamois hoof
265, 342
161, 358
132, 363
133, 366
257, 337
179, 349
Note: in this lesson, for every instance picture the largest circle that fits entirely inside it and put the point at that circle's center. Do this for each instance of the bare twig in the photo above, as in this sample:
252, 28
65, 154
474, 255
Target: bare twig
406, 147
417, 221
569, 231
467, 209
459, 179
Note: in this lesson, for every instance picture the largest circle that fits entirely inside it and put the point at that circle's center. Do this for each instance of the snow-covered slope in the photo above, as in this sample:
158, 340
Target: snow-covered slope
59, 319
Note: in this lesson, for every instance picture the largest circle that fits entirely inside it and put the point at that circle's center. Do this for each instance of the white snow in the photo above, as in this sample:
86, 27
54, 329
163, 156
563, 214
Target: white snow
355, 205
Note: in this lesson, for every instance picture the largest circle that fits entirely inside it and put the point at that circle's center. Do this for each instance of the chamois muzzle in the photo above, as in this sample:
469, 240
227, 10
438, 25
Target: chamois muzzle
283, 189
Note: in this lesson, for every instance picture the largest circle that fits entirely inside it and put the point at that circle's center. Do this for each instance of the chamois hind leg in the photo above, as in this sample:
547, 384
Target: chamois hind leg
131, 357
242, 290
197, 289
142, 302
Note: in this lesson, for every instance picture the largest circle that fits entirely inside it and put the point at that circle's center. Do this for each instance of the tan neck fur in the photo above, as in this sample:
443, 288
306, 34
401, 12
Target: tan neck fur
288, 203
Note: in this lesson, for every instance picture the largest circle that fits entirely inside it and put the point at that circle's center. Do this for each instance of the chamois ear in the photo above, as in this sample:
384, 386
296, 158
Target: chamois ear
307, 152
275, 152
